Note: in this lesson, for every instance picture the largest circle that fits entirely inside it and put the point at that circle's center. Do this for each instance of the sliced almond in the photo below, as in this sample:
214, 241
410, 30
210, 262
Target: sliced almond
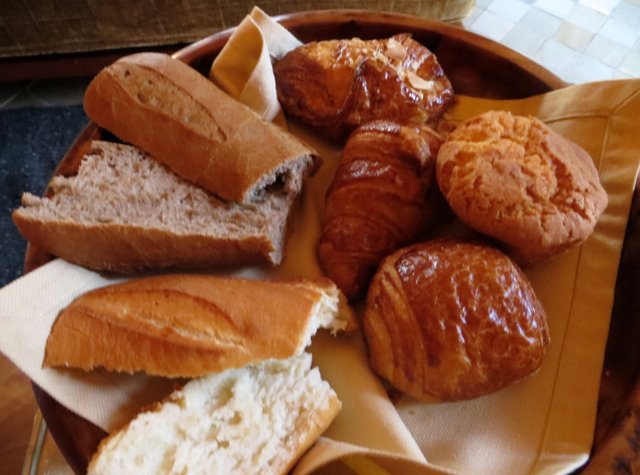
396, 50
418, 83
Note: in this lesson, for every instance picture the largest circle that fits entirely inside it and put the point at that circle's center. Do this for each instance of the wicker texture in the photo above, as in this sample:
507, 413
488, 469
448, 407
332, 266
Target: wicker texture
35, 27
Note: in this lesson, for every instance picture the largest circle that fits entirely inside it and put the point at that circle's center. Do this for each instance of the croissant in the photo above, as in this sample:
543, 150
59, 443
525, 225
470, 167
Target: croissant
379, 200
336, 85
453, 319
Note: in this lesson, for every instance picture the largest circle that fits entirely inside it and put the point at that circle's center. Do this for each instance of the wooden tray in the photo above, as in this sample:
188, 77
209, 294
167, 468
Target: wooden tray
477, 67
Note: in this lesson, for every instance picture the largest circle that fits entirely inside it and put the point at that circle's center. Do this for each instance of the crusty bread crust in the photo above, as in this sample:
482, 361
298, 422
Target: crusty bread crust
129, 249
181, 118
187, 325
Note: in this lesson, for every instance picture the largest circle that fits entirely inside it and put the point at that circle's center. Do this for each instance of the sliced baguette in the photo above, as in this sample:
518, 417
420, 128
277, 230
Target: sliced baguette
191, 325
181, 118
124, 212
256, 420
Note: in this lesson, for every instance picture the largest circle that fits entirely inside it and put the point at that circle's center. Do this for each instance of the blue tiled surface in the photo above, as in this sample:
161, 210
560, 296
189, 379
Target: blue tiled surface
32, 143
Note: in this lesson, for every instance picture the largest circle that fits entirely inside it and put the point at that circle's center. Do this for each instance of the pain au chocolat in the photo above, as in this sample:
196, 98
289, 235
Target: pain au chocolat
336, 85
453, 319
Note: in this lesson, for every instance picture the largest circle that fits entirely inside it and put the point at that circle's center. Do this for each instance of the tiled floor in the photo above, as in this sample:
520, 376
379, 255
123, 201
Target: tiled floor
578, 40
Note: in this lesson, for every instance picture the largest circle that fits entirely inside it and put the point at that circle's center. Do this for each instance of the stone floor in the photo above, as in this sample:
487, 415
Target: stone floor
578, 40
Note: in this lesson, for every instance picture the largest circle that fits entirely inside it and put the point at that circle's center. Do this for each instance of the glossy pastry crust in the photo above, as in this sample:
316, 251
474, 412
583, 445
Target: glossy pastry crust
515, 179
337, 85
452, 319
380, 199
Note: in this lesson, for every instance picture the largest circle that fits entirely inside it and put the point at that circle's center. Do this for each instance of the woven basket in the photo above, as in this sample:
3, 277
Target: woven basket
36, 27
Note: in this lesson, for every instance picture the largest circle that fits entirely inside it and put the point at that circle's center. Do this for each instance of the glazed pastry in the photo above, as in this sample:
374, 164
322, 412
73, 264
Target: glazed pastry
337, 85
451, 319
378, 201
516, 180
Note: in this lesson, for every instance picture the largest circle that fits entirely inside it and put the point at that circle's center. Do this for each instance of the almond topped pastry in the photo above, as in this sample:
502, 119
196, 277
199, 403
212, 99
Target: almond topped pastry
337, 85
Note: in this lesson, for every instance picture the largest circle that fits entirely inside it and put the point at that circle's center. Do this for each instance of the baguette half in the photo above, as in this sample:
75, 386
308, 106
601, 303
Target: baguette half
186, 122
256, 420
124, 212
189, 325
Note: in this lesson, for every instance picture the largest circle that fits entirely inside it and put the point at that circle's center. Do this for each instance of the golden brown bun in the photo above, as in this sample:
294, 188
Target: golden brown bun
379, 200
337, 85
516, 180
190, 325
449, 320
181, 118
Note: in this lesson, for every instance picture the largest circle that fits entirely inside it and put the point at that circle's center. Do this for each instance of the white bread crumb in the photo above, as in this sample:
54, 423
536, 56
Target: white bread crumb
255, 420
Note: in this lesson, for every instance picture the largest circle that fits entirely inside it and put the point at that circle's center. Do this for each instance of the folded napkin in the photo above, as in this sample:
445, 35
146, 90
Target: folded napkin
542, 425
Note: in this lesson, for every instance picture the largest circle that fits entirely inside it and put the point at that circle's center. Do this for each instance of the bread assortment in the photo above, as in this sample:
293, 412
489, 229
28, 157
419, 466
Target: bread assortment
516, 180
125, 212
451, 319
223, 194
182, 119
255, 420
336, 85
380, 199
191, 325
203, 181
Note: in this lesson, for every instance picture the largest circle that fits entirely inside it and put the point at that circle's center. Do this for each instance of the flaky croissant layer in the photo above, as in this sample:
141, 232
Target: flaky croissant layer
378, 201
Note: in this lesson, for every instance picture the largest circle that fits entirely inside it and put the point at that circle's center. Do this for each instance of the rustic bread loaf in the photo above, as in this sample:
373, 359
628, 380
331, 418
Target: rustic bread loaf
515, 179
124, 212
451, 319
190, 325
256, 420
177, 115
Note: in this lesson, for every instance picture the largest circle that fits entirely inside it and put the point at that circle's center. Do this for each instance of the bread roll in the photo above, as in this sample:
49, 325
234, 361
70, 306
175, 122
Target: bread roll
190, 325
450, 320
124, 212
181, 118
337, 85
256, 420
516, 180
379, 200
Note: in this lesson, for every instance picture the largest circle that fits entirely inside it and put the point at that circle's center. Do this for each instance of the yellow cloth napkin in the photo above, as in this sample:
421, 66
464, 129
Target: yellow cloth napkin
542, 425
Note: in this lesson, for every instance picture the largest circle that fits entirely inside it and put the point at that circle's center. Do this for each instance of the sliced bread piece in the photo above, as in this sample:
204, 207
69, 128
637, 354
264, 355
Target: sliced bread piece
256, 420
125, 212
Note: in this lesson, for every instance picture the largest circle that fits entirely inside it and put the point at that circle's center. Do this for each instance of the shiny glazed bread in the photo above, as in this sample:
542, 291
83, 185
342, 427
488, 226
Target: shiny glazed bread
379, 200
337, 85
451, 319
